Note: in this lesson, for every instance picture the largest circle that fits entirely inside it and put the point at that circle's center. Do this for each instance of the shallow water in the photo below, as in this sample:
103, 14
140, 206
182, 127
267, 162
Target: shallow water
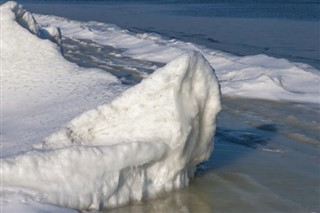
257, 166
266, 156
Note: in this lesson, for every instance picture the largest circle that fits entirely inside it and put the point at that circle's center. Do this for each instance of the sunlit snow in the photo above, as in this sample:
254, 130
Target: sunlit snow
145, 142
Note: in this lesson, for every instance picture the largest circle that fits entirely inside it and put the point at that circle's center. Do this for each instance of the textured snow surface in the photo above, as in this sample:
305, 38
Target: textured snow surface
145, 142
41, 91
256, 76
12, 10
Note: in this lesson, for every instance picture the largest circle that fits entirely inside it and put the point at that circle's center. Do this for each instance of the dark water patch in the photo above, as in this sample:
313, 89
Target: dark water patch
242, 137
212, 40
268, 127
249, 126
289, 119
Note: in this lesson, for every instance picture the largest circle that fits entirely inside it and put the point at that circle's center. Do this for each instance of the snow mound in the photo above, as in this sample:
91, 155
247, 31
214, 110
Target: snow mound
182, 95
14, 11
147, 141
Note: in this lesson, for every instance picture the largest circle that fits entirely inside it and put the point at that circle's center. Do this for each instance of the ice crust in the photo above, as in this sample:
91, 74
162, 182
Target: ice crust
145, 142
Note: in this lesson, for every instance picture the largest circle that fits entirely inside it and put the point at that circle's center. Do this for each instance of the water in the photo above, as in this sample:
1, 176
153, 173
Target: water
283, 29
257, 165
284, 9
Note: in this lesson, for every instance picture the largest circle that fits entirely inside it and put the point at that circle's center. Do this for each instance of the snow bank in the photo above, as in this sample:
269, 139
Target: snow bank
13, 11
171, 97
145, 142
257, 76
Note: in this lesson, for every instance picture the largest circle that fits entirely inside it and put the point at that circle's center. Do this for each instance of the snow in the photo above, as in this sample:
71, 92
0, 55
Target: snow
41, 91
145, 142
83, 177
11, 10
256, 76
16, 200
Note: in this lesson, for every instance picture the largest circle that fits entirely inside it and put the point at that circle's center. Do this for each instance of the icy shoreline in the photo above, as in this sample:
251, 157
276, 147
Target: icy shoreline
145, 142
272, 27
257, 76
42, 92
117, 152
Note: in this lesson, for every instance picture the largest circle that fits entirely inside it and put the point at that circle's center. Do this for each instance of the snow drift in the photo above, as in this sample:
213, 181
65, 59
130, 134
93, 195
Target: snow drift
146, 142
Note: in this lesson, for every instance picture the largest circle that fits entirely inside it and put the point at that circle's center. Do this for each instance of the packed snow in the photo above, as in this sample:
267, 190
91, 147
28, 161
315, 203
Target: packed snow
256, 76
145, 142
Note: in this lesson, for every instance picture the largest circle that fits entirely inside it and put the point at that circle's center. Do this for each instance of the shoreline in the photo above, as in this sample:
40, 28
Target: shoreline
254, 167
77, 125
294, 40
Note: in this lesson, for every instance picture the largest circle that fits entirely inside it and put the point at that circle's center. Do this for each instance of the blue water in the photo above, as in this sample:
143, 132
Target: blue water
284, 9
284, 29
299, 10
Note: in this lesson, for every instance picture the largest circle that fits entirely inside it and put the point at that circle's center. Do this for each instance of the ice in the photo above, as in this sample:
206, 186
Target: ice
170, 97
83, 177
256, 76
145, 142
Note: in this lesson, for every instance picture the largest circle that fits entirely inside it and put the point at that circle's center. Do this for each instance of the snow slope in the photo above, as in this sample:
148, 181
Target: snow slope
257, 76
41, 90
145, 142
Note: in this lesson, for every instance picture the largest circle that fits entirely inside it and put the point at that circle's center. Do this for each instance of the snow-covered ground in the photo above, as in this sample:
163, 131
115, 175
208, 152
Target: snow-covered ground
36, 80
